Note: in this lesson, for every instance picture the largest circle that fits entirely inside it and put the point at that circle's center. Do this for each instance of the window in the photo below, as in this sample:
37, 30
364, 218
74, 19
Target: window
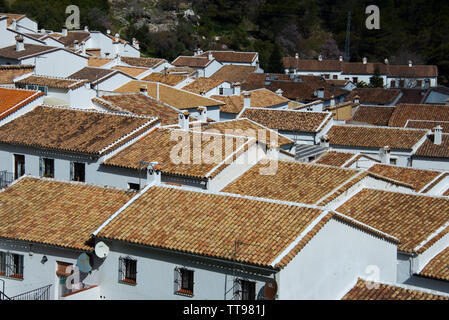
335, 77
43, 89
221, 91
77, 171
47, 168
419, 83
134, 186
244, 290
393, 161
19, 166
355, 79
11, 265
184, 281
393, 84
401, 83
127, 270
326, 76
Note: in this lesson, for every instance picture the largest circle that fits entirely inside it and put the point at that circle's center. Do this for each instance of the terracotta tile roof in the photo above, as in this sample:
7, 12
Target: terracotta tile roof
335, 158
288, 120
72, 130
375, 137
92, 74
249, 128
356, 68
98, 62
416, 177
430, 150
143, 62
140, 104
378, 116
76, 210
231, 56
187, 221
292, 181
94, 52
438, 267
404, 112
312, 65
193, 62
131, 71
30, 51
12, 16
186, 71
159, 145
233, 73
176, 98
411, 218
13, 99
62, 83
367, 290
415, 96
9, 72
417, 71
166, 78
446, 193
428, 124
202, 85
260, 98
73, 36
374, 95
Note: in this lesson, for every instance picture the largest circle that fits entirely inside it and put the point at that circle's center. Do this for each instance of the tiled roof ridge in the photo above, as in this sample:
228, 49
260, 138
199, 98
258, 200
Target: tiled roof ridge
369, 126
422, 246
382, 177
77, 82
189, 92
355, 176
15, 66
22, 103
258, 124
435, 181
288, 110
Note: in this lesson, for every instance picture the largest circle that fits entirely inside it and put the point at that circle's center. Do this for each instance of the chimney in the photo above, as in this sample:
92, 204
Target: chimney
154, 173
279, 92
86, 29
357, 99
386, 61
135, 44
76, 45
384, 154
184, 120
296, 55
324, 141
437, 135
157, 91
320, 58
237, 88
43, 31
320, 92
365, 60
116, 45
203, 114
211, 57
14, 24
64, 32
83, 47
19, 43
332, 101
340, 58
246, 99
410, 63
117, 37
108, 31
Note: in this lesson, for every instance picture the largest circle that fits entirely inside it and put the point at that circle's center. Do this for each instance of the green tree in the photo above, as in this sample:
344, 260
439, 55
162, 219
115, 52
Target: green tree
376, 80
275, 64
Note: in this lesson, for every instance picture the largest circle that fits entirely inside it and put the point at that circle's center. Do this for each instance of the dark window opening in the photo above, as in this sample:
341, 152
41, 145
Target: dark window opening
128, 270
134, 186
335, 77
244, 290
355, 79
48, 168
393, 84
19, 166
419, 83
401, 83
79, 172
184, 281
11, 265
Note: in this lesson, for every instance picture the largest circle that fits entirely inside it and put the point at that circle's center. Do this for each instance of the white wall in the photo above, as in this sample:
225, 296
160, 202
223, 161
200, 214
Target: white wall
431, 163
114, 82
58, 63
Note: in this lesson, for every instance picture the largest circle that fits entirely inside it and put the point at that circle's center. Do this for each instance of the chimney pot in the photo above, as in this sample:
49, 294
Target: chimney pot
386, 61
108, 31
340, 58
410, 63
324, 141
184, 120
86, 29
357, 99
296, 55
19, 43
203, 114
437, 135
365, 60
246, 99
64, 32
320, 58
384, 154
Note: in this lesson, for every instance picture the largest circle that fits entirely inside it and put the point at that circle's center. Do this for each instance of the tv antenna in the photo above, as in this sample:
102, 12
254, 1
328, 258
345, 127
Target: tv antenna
348, 36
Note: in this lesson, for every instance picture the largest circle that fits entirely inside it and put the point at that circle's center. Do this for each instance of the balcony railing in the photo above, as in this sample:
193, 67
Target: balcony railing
5, 178
36, 294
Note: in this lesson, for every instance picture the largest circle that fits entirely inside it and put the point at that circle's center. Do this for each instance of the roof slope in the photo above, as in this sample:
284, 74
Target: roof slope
311, 65
9, 72
13, 99
431, 150
366, 290
231, 56
44, 211
375, 137
409, 217
438, 267
72, 130
62, 83
193, 62
188, 221
131, 71
179, 99
165, 78
378, 116
288, 120
143, 62
335, 158
404, 112
92, 74
374, 95
290, 181
202, 85
233, 73
30, 51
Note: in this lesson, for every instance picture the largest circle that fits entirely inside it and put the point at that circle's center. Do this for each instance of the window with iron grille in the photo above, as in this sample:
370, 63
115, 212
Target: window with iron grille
184, 281
244, 290
11, 265
127, 270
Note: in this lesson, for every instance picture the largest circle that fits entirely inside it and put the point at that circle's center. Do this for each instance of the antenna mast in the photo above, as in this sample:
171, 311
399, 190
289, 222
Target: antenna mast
348, 33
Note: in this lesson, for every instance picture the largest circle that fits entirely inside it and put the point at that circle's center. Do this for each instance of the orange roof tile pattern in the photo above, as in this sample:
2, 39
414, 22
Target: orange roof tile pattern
404, 112
431, 150
140, 104
375, 137
378, 116
164, 146
165, 78
364, 290
131, 71
178, 99
53, 82
44, 211
292, 181
233, 73
231, 56
209, 224
438, 267
410, 218
98, 62
335, 158
374, 95
9, 72
415, 177
143, 62
288, 120
13, 99
428, 124
193, 62
72, 130
202, 85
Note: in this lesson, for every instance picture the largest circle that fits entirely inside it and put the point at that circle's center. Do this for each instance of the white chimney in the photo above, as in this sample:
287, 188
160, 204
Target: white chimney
117, 37
184, 120
320, 58
83, 47
384, 154
246, 99
64, 32
296, 55
108, 31
279, 92
320, 92
237, 88
43, 31
135, 44
365, 60
203, 114
86, 29
19, 43
76, 45
211, 57
410, 63
357, 99
437, 135
154, 173
340, 58
324, 141
14, 24
332, 101
386, 61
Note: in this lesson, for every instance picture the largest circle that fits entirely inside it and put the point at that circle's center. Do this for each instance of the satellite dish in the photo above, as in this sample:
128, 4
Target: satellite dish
270, 289
101, 250
83, 263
